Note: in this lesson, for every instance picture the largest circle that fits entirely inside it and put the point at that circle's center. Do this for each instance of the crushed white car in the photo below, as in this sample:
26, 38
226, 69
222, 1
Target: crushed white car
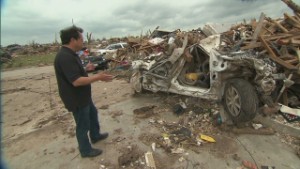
240, 80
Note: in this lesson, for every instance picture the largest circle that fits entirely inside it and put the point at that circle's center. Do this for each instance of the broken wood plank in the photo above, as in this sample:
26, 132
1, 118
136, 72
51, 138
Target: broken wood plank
293, 22
288, 41
271, 29
253, 23
292, 61
285, 57
150, 160
297, 16
262, 52
255, 45
274, 57
292, 5
283, 36
295, 42
263, 32
280, 26
258, 28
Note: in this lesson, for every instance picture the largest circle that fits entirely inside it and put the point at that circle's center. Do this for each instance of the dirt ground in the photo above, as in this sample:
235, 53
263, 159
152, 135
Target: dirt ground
38, 132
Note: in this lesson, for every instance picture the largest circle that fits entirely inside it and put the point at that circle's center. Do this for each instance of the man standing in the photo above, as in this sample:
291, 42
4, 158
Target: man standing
74, 87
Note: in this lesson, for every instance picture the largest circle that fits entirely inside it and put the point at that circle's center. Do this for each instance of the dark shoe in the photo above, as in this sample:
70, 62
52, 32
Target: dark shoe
101, 137
92, 153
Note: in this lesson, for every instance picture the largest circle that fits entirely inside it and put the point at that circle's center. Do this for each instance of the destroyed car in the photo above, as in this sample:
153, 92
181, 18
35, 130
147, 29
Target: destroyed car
99, 62
111, 48
238, 79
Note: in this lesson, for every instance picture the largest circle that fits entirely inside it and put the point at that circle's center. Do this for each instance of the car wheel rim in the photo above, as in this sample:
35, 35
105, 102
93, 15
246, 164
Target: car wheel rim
233, 101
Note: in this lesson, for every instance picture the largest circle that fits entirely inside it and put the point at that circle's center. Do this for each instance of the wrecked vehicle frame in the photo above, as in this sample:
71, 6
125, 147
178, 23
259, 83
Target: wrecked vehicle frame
240, 80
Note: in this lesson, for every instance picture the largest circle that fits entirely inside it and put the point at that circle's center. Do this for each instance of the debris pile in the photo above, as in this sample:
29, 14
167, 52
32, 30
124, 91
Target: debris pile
266, 52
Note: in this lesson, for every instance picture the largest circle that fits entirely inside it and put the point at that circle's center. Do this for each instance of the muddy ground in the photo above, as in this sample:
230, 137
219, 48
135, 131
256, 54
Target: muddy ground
38, 132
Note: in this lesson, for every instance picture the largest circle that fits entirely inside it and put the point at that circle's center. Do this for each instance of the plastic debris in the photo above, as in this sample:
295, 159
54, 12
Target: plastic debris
257, 126
207, 138
153, 146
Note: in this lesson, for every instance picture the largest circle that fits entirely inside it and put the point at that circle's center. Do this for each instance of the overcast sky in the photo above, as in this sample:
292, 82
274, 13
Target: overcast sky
27, 21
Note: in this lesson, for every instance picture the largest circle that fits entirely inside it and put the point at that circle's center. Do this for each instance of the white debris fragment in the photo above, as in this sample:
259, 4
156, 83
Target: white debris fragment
257, 126
150, 160
181, 159
102, 167
177, 151
153, 146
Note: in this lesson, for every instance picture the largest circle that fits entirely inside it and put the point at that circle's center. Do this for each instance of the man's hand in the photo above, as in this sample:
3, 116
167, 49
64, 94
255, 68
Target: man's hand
104, 77
90, 79
89, 67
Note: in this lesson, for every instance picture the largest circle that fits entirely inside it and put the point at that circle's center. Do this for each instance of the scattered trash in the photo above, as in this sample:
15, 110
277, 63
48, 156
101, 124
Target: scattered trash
183, 131
178, 109
152, 121
181, 159
117, 139
150, 160
290, 114
167, 140
207, 138
199, 141
153, 146
177, 151
292, 111
102, 166
257, 126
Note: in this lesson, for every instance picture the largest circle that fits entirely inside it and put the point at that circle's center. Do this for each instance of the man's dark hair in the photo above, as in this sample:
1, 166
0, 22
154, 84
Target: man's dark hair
68, 33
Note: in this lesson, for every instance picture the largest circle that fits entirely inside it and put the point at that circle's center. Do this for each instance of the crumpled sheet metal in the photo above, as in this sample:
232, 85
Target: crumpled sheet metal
270, 48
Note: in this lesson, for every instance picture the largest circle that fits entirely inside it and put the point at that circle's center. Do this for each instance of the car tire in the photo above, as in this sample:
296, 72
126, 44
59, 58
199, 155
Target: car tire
136, 82
240, 100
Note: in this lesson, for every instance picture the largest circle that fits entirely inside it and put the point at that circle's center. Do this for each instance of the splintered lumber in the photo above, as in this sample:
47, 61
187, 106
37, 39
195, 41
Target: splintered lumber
258, 29
292, 5
255, 45
293, 22
150, 160
279, 25
274, 57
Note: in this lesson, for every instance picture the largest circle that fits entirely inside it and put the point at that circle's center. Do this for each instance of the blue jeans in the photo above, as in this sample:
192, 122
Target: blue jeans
86, 119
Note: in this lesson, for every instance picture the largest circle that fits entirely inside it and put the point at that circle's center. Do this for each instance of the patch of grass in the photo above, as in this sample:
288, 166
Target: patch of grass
22, 61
